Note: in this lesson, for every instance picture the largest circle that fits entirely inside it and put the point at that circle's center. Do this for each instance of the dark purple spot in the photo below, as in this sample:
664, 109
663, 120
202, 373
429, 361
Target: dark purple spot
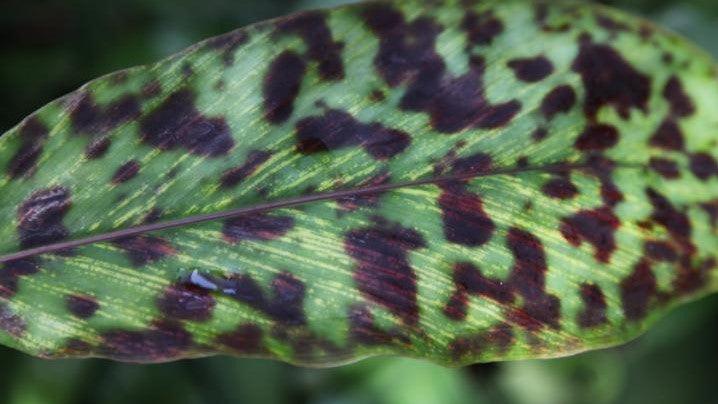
186, 301
12, 271
610, 80
97, 148
681, 103
665, 167
703, 165
281, 86
660, 251
337, 130
126, 172
560, 188
40, 217
228, 44
177, 123
11, 322
481, 28
383, 273
469, 280
407, 53
88, 117
594, 311
610, 24
363, 330
500, 336
32, 137
531, 70
247, 339
254, 160
528, 279
711, 208
539, 134
594, 226
144, 249
637, 290
377, 96
474, 164
258, 226
464, 219
597, 137
677, 223
82, 306
668, 136
321, 48
560, 100
161, 342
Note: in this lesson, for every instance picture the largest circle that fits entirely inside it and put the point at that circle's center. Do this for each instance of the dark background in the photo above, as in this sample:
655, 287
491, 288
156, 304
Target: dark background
50, 47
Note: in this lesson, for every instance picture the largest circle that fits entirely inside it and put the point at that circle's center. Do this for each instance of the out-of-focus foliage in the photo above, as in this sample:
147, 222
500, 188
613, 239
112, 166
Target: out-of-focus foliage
50, 47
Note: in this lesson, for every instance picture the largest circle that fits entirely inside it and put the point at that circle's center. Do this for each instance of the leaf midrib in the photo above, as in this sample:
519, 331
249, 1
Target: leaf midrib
285, 203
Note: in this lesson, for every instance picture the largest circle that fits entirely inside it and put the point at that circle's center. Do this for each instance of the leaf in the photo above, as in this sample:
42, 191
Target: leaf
453, 180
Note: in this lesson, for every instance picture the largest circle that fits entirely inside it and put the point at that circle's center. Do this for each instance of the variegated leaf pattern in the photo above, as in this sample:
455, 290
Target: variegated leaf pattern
461, 181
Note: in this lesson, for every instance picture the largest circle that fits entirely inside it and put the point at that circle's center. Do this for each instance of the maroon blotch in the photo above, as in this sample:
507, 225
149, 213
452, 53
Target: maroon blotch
668, 136
185, 301
666, 168
597, 137
32, 136
97, 148
177, 123
82, 306
637, 290
407, 52
464, 220
228, 44
674, 221
12, 271
681, 103
144, 249
703, 165
246, 338
594, 226
126, 172
469, 280
594, 310
162, 341
528, 279
88, 117
258, 226
660, 251
383, 273
531, 70
560, 100
560, 188
321, 48
610, 80
281, 86
363, 330
11, 322
234, 176
539, 134
481, 28
337, 130
40, 217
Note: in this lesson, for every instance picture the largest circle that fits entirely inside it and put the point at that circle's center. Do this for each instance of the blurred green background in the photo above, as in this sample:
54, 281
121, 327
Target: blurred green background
50, 47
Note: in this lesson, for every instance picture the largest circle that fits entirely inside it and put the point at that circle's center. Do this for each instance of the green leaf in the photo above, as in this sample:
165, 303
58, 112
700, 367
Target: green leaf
452, 180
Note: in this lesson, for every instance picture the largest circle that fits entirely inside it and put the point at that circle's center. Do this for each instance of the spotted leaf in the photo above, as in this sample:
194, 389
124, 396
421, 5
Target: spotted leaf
462, 181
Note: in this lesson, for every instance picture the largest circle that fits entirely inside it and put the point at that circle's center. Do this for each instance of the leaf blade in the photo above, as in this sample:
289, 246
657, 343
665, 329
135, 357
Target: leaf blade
511, 263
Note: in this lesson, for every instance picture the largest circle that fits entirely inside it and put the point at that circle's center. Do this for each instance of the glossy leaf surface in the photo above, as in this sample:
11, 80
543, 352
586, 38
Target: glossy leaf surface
453, 180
